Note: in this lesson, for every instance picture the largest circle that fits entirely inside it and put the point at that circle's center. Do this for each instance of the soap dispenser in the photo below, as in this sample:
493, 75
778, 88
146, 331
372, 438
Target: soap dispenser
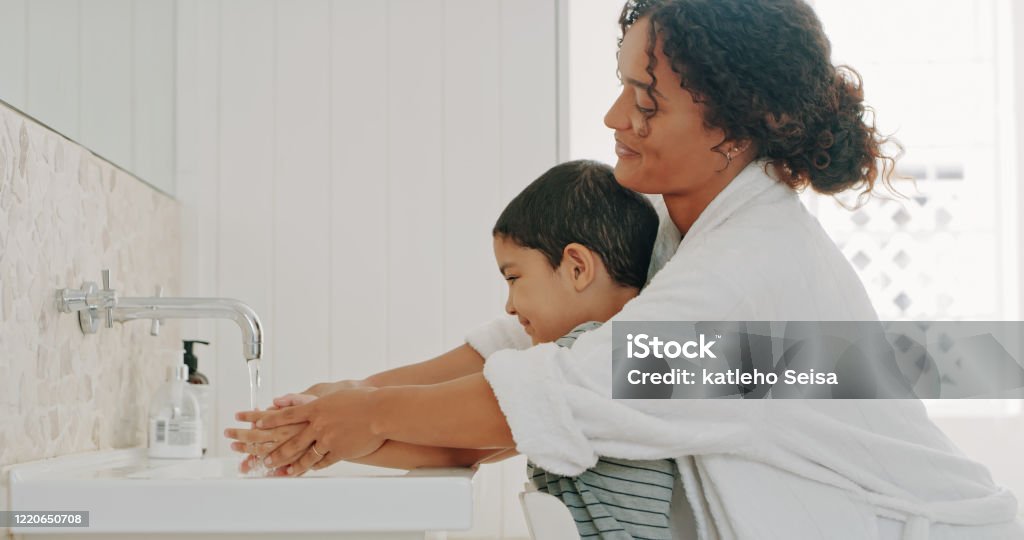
175, 421
200, 385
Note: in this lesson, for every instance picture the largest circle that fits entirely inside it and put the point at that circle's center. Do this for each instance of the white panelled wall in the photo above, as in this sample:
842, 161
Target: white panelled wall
100, 72
341, 164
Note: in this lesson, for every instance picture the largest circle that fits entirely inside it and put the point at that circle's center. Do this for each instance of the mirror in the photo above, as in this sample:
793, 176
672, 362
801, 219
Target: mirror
100, 72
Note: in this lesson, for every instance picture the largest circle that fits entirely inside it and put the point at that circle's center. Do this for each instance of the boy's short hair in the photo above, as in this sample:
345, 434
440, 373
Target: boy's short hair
580, 201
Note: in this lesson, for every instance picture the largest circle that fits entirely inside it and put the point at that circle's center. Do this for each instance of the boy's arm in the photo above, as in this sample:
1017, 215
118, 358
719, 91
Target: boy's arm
496, 456
501, 333
400, 455
458, 362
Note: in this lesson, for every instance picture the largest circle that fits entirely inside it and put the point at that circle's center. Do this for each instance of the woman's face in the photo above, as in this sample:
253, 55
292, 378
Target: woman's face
671, 152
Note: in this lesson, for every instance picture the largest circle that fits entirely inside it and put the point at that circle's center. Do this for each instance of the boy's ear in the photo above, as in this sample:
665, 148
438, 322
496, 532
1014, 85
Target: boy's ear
581, 264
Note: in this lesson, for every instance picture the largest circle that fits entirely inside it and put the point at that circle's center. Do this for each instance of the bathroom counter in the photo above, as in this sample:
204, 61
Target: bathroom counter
129, 495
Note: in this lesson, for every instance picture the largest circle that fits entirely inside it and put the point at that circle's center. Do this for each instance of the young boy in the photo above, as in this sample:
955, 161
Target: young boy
574, 247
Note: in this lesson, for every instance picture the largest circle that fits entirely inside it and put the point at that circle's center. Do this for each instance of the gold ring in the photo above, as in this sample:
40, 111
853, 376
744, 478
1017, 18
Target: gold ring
313, 446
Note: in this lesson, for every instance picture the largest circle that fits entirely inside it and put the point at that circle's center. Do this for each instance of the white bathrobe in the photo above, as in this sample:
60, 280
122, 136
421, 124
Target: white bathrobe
750, 468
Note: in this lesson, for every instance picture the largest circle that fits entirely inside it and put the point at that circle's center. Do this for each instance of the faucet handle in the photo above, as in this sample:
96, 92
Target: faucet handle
154, 327
88, 301
106, 289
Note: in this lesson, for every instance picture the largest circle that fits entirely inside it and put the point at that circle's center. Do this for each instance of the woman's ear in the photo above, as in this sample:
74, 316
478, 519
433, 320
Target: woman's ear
580, 264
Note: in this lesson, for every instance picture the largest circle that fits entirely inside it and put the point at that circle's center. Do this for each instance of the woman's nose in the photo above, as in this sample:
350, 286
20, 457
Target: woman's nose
616, 118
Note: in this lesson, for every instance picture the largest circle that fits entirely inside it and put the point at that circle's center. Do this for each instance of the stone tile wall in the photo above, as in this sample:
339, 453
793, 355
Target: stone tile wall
65, 215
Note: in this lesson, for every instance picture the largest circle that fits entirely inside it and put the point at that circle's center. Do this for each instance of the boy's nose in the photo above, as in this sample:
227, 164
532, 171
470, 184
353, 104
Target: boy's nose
509, 308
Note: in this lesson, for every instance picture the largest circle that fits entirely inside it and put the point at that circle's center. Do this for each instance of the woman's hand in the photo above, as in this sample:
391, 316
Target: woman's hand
335, 427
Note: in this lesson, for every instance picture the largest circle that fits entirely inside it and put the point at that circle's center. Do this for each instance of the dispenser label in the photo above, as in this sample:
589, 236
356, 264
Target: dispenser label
175, 432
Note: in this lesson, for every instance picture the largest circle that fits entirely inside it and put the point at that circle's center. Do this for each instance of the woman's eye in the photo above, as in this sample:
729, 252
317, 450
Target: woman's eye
644, 110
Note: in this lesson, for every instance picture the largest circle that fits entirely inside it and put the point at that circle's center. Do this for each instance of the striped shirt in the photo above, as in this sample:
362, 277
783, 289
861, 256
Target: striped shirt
616, 499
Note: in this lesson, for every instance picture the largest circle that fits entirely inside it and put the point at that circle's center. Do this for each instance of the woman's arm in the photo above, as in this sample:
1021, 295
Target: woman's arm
461, 413
354, 423
393, 454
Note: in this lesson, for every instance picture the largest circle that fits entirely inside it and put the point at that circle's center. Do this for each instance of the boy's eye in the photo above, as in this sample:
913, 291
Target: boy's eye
511, 279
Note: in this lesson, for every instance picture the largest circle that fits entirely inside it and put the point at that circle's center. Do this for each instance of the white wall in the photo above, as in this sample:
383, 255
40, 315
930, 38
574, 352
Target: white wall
341, 163
100, 72
592, 84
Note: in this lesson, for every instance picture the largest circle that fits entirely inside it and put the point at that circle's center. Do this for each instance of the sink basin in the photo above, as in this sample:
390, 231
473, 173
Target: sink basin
126, 492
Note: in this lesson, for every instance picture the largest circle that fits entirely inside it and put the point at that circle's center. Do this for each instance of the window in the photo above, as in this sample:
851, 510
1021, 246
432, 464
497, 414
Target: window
943, 84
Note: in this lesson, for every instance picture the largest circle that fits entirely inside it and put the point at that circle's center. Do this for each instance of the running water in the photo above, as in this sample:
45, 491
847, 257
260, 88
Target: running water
254, 381
258, 469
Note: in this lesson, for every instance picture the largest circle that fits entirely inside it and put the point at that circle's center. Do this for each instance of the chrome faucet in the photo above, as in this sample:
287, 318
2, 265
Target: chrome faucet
90, 300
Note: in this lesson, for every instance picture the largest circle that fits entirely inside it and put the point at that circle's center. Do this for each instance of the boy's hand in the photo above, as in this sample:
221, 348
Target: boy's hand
256, 443
291, 400
324, 388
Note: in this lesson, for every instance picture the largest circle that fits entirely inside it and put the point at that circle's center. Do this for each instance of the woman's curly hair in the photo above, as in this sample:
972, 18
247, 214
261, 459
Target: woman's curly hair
762, 71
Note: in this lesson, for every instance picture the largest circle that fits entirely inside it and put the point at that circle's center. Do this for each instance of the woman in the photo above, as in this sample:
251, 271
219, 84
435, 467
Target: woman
727, 107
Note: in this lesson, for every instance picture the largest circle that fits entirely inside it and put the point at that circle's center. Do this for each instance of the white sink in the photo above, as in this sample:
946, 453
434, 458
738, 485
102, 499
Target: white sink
125, 492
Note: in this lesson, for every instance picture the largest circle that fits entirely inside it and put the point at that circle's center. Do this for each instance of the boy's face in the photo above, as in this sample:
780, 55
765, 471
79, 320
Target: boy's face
540, 296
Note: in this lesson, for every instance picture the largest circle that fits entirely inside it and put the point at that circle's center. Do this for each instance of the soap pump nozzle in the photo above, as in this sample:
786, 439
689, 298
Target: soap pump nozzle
190, 358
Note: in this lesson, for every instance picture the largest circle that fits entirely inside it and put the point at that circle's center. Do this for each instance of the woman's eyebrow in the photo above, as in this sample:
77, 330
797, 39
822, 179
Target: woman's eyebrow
641, 85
